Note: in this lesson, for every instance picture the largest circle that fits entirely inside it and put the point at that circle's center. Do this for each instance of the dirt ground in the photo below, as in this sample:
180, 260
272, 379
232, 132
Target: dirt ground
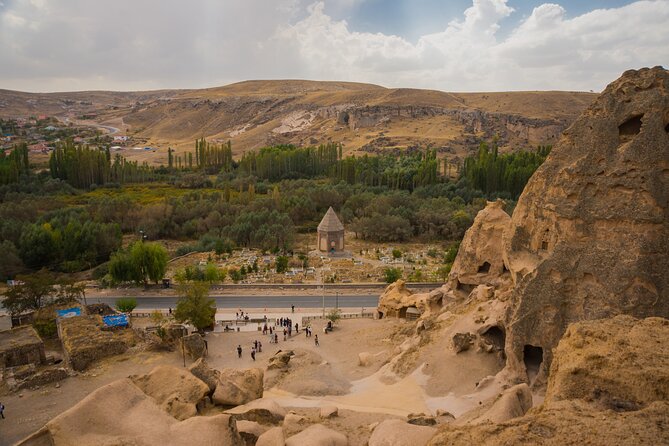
28, 410
324, 375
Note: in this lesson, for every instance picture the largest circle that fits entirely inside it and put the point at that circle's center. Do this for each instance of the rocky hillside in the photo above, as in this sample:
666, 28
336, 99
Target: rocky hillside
365, 118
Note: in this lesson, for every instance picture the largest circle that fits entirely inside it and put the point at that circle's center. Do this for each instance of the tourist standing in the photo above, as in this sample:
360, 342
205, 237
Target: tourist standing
2, 411
253, 353
239, 351
297, 328
316, 341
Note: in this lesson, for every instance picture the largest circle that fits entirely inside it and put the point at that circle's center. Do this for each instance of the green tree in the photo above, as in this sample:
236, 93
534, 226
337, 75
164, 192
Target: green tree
392, 274
126, 304
281, 264
211, 273
333, 315
141, 263
150, 259
194, 305
397, 253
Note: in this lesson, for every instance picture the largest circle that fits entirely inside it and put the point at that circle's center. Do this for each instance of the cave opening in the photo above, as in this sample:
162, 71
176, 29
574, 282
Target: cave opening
630, 127
484, 268
666, 128
533, 356
495, 336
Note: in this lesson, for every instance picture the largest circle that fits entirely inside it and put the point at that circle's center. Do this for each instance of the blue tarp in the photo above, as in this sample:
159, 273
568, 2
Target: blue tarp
116, 320
69, 312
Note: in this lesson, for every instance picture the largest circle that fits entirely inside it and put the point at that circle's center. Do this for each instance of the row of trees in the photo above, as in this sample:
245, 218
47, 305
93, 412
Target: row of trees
507, 174
83, 166
13, 164
290, 162
407, 171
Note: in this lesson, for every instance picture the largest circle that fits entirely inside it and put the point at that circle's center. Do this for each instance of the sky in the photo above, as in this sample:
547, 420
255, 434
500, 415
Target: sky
458, 45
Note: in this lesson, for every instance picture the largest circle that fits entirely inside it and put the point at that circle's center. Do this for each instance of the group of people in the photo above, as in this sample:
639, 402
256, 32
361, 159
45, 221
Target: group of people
256, 347
241, 316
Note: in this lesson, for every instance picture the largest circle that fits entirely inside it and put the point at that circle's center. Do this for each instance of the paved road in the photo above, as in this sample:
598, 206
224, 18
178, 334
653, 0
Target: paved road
234, 302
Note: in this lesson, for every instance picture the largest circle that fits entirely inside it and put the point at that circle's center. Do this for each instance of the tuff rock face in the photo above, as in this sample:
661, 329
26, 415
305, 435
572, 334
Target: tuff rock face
608, 384
589, 237
480, 258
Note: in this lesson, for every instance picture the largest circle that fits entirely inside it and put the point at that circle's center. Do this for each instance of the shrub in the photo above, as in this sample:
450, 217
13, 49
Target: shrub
46, 328
126, 304
392, 274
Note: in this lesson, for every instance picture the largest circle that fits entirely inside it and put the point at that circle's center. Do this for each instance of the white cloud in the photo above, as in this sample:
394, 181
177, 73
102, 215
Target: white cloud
132, 44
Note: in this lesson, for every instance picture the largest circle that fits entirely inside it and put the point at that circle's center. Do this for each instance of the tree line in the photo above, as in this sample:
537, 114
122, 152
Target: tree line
14, 164
502, 175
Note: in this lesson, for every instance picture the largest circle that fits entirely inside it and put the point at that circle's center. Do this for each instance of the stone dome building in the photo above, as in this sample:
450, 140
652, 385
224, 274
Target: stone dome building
330, 233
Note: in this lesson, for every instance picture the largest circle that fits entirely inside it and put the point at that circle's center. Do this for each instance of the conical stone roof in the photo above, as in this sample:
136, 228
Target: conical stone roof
330, 222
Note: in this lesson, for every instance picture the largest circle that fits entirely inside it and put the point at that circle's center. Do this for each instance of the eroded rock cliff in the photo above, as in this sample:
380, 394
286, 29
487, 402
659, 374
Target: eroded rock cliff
589, 237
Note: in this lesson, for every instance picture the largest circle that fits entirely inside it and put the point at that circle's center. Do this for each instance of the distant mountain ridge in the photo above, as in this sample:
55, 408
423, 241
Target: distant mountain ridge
366, 118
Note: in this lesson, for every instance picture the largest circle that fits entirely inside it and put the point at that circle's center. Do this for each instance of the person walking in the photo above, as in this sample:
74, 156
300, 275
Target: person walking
259, 347
297, 328
239, 351
316, 341
253, 353
292, 308
276, 338
2, 411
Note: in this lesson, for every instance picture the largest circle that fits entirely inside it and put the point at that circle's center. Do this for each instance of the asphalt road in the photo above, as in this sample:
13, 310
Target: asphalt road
234, 302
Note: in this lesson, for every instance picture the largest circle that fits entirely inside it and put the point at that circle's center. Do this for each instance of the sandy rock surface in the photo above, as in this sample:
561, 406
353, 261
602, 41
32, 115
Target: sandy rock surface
589, 237
238, 386
317, 435
176, 390
400, 433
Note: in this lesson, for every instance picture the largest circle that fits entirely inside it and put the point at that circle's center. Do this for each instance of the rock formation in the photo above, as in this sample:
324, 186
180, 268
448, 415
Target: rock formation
400, 433
480, 258
317, 435
395, 300
238, 386
608, 384
589, 237
175, 390
120, 413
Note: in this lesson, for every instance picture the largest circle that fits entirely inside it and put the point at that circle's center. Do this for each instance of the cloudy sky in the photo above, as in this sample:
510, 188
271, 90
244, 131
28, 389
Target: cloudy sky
452, 45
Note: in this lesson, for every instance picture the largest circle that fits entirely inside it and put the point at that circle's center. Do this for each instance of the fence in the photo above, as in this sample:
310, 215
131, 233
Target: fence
368, 315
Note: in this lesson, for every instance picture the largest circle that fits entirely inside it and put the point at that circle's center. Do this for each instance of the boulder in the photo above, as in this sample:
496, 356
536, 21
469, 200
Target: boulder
513, 402
273, 437
328, 412
136, 420
263, 411
201, 370
238, 386
176, 390
480, 258
318, 435
395, 299
422, 420
250, 431
589, 237
462, 341
293, 422
365, 359
280, 359
195, 346
400, 433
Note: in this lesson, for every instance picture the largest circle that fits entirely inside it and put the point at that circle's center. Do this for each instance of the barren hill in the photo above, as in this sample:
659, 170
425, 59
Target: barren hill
364, 117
